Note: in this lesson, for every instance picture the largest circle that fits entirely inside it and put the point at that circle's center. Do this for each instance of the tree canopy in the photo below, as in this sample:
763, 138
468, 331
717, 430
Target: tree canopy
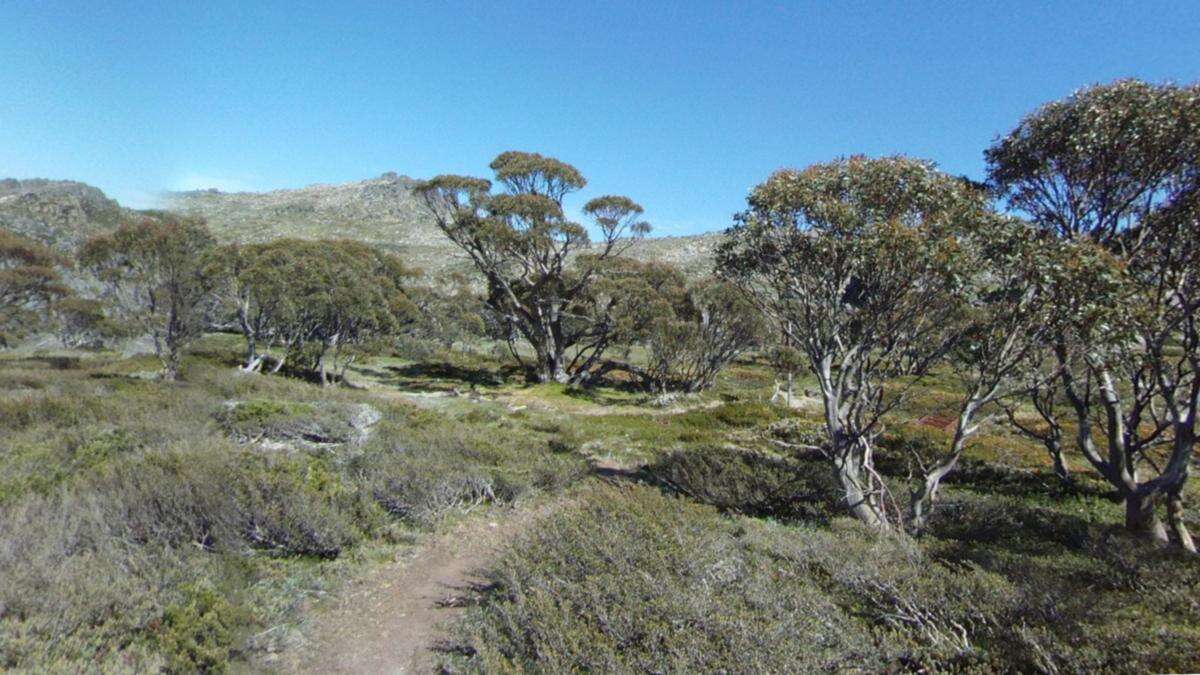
156, 275
1114, 172
526, 248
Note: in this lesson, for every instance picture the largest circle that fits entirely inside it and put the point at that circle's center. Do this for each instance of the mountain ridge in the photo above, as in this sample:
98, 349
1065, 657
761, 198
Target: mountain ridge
381, 211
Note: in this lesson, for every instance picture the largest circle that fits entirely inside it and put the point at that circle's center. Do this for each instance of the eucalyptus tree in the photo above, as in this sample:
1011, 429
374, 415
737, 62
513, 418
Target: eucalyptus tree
617, 310
321, 301
711, 325
254, 286
450, 311
856, 261
29, 283
1114, 170
156, 273
362, 299
1009, 313
524, 245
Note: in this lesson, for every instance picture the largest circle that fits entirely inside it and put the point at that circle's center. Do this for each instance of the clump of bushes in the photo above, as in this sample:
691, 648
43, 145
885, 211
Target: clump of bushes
747, 482
420, 482
323, 422
136, 534
630, 580
200, 631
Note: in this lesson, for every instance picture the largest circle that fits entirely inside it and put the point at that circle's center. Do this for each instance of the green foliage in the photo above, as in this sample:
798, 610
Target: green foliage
1144, 133
525, 248
137, 536
321, 300
748, 482
83, 323
423, 481
688, 348
199, 633
859, 261
157, 278
450, 311
320, 422
1111, 172
29, 283
630, 580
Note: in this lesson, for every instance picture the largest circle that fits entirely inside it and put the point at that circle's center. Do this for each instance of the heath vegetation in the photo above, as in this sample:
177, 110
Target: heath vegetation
898, 421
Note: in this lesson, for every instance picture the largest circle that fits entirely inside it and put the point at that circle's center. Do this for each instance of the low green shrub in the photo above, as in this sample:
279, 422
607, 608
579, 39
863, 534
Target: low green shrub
200, 633
738, 414
748, 482
324, 422
421, 483
629, 580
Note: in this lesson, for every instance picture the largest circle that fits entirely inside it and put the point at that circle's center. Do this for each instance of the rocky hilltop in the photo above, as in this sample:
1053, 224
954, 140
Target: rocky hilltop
380, 210
58, 213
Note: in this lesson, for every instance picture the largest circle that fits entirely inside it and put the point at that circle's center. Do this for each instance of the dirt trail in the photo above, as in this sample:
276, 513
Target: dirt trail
391, 619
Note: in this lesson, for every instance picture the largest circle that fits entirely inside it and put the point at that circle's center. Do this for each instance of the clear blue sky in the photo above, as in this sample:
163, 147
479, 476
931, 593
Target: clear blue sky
681, 105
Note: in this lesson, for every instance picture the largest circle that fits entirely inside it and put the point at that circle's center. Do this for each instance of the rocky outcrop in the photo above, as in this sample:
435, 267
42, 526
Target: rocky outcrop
380, 210
60, 214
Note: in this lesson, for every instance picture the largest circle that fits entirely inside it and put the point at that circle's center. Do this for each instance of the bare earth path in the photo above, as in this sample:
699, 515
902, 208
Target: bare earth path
391, 619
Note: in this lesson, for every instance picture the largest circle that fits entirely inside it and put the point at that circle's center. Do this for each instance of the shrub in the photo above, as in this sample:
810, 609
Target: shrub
738, 414
747, 482
324, 422
631, 581
420, 485
199, 633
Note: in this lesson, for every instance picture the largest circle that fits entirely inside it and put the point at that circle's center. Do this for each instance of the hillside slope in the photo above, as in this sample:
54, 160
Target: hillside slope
59, 213
382, 211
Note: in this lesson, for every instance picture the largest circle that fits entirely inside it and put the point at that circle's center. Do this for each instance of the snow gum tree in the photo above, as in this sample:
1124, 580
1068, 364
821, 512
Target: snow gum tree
857, 262
320, 301
524, 245
1009, 311
29, 283
158, 278
1114, 171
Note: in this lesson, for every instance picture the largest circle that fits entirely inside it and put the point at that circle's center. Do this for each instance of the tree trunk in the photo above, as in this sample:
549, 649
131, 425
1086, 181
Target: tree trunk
854, 473
1175, 518
170, 371
252, 359
924, 497
170, 354
550, 367
1060, 463
1141, 519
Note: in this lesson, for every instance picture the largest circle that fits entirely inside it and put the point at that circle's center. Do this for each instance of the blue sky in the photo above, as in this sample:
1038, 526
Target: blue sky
681, 105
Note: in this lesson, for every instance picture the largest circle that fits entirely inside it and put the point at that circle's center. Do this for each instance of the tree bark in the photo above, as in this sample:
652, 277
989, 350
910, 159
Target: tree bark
1059, 461
924, 497
1175, 518
852, 466
550, 367
1141, 519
